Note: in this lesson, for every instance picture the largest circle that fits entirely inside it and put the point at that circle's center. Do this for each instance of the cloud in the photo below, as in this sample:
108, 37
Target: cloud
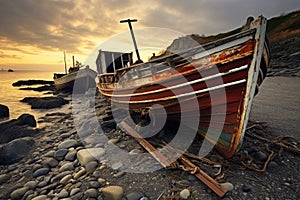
212, 16
50, 25
15, 49
58, 25
4, 55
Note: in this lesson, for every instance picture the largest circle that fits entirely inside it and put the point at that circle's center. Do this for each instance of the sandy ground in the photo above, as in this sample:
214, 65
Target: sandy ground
278, 104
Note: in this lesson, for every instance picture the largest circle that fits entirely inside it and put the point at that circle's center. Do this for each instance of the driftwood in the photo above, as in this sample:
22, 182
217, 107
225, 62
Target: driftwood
185, 163
273, 146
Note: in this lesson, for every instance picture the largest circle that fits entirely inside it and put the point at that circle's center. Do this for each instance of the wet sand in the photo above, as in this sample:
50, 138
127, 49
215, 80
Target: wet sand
278, 104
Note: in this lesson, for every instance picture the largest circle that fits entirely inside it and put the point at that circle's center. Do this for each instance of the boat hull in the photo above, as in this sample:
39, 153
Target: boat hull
214, 88
78, 81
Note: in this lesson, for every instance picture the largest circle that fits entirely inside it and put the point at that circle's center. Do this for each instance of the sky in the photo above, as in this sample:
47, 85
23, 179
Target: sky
35, 33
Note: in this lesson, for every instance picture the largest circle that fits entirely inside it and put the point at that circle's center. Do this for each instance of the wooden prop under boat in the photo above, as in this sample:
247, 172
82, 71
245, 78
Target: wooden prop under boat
222, 76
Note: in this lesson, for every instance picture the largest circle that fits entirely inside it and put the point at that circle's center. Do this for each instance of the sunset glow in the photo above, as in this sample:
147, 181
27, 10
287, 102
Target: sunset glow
34, 33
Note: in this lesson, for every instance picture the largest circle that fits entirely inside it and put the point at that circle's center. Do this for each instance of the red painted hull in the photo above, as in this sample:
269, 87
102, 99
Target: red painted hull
222, 83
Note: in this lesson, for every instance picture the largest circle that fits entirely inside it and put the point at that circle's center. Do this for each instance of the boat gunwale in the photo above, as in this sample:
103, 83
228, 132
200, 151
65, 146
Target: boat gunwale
196, 69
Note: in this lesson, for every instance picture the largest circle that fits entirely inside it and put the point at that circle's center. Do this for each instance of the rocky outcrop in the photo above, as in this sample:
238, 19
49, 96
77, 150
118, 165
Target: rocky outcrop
183, 43
17, 128
45, 102
15, 150
31, 82
26, 119
4, 111
41, 88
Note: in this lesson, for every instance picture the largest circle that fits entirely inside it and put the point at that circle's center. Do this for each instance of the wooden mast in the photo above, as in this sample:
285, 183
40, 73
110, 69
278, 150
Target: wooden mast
73, 58
65, 62
133, 38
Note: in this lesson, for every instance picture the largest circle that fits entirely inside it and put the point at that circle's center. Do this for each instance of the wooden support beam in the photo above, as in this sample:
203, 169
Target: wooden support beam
187, 165
151, 149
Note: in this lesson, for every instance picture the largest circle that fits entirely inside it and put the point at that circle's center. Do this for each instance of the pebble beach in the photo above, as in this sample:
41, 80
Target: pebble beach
68, 154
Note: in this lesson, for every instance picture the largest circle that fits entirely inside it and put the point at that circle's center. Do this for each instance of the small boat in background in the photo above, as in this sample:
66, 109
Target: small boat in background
78, 79
10, 70
222, 77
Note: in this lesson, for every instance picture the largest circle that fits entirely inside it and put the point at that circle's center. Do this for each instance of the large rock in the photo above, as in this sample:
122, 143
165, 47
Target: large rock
91, 193
15, 150
45, 102
17, 128
66, 167
4, 111
31, 82
134, 196
86, 155
60, 154
71, 155
68, 144
31, 184
112, 192
78, 174
41, 197
41, 172
27, 119
50, 162
18, 193
41, 88
4, 178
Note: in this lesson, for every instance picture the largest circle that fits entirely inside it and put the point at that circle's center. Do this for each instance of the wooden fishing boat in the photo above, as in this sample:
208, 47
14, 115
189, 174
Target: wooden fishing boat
82, 78
222, 77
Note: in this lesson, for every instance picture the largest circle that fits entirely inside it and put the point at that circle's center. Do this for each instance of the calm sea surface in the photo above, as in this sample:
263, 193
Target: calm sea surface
11, 96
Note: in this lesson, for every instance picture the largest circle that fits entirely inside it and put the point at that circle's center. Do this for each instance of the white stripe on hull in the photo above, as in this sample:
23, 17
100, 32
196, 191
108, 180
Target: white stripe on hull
181, 85
188, 94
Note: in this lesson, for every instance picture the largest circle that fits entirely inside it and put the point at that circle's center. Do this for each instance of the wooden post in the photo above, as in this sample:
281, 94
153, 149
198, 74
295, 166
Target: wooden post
65, 62
73, 58
87, 69
165, 162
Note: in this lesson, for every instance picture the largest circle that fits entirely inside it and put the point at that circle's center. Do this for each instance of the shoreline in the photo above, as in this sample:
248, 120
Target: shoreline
71, 177
59, 166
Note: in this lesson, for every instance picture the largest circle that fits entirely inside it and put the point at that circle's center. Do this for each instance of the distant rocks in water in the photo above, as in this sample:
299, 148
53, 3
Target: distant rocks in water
10, 70
32, 82
15, 150
41, 88
45, 102
4, 111
47, 85
17, 128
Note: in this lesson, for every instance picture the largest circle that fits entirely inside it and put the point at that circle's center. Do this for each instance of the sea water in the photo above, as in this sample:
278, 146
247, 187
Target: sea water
11, 96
